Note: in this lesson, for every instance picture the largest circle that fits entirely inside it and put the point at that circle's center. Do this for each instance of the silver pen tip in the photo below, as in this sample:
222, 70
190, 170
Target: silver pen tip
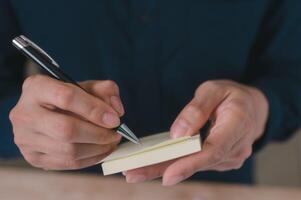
124, 130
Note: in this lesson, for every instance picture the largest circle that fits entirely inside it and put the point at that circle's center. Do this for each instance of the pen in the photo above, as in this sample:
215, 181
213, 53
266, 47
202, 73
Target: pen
45, 62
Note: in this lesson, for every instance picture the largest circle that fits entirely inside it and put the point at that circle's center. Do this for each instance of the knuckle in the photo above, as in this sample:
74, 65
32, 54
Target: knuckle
14, 114
213, 85
238, 112
64, 95
27, 82
17, 115
94, 111
111, 85
234, 103
241, 91
238, 103
31, 80
196, 112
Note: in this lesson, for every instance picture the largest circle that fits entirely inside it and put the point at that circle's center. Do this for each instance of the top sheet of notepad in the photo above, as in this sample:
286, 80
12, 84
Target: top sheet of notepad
147, 144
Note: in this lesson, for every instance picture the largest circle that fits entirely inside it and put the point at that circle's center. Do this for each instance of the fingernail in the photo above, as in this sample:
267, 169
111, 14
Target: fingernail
172, 180
117, 105
179, 128
111, 119
136, 179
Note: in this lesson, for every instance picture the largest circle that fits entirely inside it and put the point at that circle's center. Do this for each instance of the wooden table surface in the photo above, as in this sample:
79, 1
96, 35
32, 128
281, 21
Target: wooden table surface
28, 184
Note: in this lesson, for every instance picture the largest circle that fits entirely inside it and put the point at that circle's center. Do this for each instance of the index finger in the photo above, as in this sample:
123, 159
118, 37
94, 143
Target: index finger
68, 128
196, 113
48, 91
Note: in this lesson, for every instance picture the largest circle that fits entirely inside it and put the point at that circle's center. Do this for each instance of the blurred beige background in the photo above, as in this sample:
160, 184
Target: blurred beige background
280, 163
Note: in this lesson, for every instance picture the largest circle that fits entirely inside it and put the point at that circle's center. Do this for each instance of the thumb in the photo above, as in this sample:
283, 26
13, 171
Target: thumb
196, 113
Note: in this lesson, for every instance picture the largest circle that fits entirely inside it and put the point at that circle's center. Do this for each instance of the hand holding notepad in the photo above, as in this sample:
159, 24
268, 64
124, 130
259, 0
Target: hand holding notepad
153, 149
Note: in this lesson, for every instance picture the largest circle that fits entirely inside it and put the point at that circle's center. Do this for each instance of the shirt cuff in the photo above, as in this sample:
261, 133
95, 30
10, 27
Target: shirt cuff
275, 116
7, 147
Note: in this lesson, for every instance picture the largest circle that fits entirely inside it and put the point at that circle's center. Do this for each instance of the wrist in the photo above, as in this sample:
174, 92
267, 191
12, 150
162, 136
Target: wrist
261, 107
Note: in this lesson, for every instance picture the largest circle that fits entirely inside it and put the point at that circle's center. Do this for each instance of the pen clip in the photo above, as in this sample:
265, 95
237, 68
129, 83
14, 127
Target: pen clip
35, 46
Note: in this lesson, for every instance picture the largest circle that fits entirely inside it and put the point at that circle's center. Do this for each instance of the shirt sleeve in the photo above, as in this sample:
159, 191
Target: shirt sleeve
11, 77
276, 68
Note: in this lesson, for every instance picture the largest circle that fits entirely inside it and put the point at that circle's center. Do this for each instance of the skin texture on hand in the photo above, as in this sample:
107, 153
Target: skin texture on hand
238, 114
58, 126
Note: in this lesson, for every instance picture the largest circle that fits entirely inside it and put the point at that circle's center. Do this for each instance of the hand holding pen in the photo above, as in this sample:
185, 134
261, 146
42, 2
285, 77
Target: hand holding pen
61, 126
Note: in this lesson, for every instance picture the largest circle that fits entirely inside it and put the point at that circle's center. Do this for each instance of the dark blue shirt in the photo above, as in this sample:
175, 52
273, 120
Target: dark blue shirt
159, 52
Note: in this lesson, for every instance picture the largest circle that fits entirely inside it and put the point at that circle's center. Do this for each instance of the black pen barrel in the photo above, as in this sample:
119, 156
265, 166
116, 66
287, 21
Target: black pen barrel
46, 65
